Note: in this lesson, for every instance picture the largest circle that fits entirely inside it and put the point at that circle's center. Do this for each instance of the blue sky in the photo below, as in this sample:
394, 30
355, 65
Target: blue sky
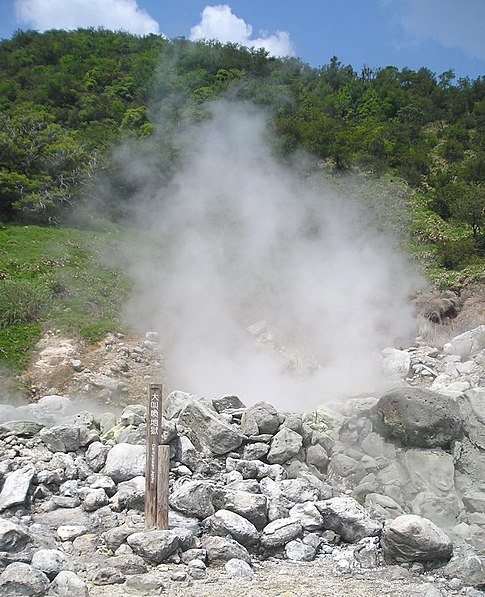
438, 34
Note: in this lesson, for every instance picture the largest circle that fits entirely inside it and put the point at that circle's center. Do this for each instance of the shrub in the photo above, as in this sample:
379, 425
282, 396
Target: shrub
21, 301
455, 254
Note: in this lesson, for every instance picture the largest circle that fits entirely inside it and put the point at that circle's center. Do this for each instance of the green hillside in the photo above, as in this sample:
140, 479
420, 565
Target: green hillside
69, 99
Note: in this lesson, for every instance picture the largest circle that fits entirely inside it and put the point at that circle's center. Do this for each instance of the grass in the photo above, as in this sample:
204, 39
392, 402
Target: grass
57, 278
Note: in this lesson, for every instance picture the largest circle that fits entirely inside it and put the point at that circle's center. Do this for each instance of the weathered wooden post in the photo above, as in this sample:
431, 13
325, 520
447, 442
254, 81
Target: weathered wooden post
157, 464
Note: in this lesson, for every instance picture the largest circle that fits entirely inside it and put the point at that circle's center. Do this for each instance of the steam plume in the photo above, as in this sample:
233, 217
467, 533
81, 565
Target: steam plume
242, 239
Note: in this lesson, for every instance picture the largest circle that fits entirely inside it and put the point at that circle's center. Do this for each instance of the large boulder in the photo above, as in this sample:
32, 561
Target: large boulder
418, 417
16, 486
348, 518
411, 538
19, 578
125, 461
208, 430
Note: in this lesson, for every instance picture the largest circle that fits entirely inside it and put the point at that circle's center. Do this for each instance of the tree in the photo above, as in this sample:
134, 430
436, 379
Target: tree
469, 206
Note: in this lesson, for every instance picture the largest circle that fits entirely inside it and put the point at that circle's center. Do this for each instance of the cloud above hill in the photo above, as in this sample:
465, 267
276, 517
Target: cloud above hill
123, 15
447, 22
219, 22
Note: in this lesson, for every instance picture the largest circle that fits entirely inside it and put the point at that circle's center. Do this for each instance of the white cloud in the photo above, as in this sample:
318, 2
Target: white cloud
219, 22
451, 23
111, 14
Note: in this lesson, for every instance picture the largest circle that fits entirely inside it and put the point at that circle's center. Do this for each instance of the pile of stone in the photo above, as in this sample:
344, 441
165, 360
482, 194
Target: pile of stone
400, 478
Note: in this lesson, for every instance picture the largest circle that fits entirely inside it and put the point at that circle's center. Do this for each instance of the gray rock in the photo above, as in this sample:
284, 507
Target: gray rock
154, 546
185, 452
95, 499
128, 564
280, 532
66, 438
308, 515
266, 417
472, 406
96, 455
130, 495
50, 562
133, 414
411, 538
238, 568
297, 551
467, 344
348, 518
70, 532
19, 578
107, 576
227, 403
20, 429
223, 549
317, 456
193, 498
16, 486
382, 507
253, 507
255, 451
468, 566
149, 583
209, 430
225, 522
175, 402
68, 584
419, 417
286, 444
125, 461
396, 363
12, 537
116, 536
196, 569
254, 469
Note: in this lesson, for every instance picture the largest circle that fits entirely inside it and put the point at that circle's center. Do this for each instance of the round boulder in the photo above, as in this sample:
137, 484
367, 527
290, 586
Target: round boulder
418, 417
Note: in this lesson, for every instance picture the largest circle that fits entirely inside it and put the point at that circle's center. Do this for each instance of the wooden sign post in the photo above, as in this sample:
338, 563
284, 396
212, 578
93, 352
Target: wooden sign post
157, 464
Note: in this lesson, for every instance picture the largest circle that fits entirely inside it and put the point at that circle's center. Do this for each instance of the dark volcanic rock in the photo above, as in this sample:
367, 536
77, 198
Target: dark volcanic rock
418, 417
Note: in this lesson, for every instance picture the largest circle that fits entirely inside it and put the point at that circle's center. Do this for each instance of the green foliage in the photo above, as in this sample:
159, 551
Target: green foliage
456, 254
16, 342
21, 301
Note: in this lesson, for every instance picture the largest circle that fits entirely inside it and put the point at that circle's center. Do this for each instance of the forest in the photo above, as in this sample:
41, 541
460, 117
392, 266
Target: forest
67, 97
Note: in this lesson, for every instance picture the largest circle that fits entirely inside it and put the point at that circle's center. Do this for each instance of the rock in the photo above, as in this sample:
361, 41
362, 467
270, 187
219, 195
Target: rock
125, 461
255, 451
467, 344
348, 518
50, 562
308, 515
297, 551
96, 455
411, 538
154, 546
265, 416
12, 537
148, 583
68, 584
128, 564
66, 438
70, 532
285, 445
472, 406
208, 430
175, 402
133, 414
254, 469
16, 486
130, 495
20, 429
253, 507
280, 532
223, 549
185, 452
382, 507
225, 522
227, 403
419, 417
94, 499
107, 576
317, 456
19, 578
238, 568
396, 363
196, 569
193, 498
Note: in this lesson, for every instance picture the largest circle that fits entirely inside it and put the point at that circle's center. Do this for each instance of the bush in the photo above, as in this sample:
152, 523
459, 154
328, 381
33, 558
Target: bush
16, 342
455, 254
21, 301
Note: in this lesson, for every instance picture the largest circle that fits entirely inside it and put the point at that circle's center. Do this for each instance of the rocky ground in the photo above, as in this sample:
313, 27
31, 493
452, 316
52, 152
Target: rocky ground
384, 498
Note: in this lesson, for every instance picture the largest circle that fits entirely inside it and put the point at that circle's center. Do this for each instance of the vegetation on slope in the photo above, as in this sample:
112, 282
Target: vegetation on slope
68, 98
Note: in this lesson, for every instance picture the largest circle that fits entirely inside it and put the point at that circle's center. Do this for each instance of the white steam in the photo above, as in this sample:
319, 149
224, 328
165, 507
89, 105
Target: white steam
239, 238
